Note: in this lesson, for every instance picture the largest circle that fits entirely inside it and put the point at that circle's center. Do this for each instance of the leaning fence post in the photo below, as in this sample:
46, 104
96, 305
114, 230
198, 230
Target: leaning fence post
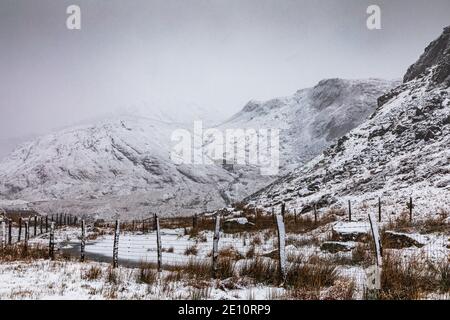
215, 253
349, 211
51, 245
281, 248
273, 216
83, 241
158, 244
376, 282
116, 245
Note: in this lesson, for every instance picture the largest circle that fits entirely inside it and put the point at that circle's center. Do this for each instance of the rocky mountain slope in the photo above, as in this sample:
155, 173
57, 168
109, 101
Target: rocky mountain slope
122, 165
403, 150
311, 119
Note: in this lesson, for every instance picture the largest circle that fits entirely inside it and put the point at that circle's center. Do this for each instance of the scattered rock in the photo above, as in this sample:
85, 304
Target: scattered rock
334, 246
350, 231
234, 223
397, 240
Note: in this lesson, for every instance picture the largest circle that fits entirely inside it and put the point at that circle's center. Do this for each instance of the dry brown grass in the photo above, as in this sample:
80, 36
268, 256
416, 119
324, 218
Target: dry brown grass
412, 279
20, 252
93, 273
147, 274
112, 276
191, 251
434, 224
230, 253
304, 224
308, 274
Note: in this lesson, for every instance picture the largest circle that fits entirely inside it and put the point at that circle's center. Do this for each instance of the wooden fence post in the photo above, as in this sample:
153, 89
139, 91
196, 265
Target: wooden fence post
143, 226
158, 244
35, 226
349, 211
281, 248
283, 209
27, 233
376, 282
3, 233
315, 213
83, 240
215, 253
295, 216
20, 230
51, 245
41, 224
116, 245
154, 222
10, 231
194, 221
379, 209
410, 209
46, 223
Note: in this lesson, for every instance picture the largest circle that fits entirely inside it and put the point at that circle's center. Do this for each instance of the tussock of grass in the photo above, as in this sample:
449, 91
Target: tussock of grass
147, 274
191, 251
93, 273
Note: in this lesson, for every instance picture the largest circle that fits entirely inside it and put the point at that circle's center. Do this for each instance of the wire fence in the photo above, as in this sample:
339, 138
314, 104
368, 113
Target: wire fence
422, 260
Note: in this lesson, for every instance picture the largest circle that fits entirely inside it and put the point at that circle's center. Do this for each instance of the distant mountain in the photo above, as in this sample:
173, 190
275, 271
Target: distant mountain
121, 165
311, 119
403, 150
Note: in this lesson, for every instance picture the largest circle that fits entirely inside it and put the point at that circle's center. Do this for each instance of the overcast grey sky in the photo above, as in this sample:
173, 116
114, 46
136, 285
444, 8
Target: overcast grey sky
181, 55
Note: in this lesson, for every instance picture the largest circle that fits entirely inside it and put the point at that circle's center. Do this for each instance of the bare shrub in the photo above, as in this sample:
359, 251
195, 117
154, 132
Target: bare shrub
250, 253
93, 273
191, 251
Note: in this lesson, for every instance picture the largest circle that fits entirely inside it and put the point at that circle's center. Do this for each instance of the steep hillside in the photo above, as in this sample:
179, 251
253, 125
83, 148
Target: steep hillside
403, 150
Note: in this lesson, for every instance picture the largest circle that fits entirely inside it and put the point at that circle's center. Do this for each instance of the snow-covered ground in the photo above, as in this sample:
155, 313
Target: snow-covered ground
67, 280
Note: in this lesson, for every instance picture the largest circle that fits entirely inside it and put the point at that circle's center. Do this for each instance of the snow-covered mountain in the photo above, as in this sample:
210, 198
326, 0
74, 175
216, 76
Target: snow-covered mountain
403, 150
311, 119
122, 164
